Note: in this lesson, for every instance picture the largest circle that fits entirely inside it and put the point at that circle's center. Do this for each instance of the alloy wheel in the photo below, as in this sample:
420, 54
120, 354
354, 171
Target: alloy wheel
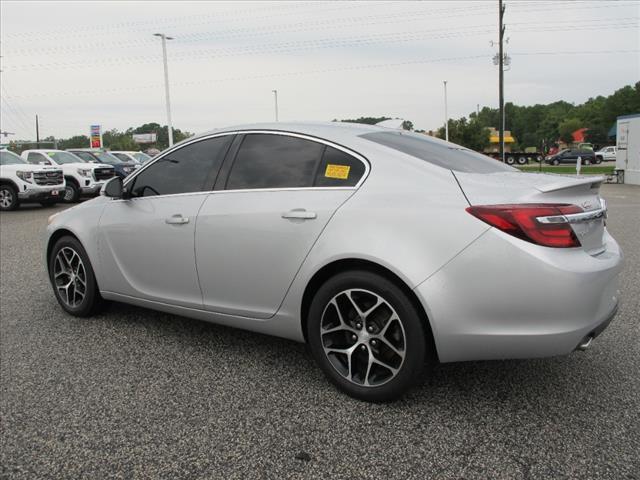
362, 337
70, 277
6, 198
68, 193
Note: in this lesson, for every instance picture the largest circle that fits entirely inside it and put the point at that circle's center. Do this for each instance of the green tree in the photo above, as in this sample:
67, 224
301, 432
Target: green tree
567, 127
471, 134
77, 141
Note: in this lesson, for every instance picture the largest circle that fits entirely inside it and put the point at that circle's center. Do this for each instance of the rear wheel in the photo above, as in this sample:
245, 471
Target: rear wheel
510, 160
8, 198
598, 160
556, 162
366, 336
72, 278
522, 160
71, 192
587, 162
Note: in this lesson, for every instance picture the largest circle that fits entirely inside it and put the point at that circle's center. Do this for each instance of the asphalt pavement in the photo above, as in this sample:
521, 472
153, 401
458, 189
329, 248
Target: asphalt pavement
134, 393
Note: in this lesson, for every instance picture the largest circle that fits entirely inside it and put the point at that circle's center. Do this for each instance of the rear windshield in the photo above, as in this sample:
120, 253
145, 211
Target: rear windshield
436, 152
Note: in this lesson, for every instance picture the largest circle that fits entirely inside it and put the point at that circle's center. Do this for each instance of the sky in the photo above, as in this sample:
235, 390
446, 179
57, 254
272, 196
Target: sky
81, 63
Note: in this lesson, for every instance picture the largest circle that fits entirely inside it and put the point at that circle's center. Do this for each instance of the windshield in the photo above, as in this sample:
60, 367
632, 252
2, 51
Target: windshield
141, 157
62, 158
105, 157
10, 158
437, 152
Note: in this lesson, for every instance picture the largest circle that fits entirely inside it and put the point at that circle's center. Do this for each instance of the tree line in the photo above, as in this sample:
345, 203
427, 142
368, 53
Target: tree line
539, 126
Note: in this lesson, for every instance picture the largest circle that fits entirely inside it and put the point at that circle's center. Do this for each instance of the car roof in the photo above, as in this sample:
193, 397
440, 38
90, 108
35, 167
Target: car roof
336, 131
43, 150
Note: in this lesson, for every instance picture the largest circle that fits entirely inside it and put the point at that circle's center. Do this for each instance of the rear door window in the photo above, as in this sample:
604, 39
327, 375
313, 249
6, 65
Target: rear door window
338, 169
274, 161
437, 152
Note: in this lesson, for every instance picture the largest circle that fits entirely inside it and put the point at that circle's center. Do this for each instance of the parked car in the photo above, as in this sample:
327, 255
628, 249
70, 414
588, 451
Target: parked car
21, 182
382, 249
130, 156
570, 155
81, 178
122, 169
607, 154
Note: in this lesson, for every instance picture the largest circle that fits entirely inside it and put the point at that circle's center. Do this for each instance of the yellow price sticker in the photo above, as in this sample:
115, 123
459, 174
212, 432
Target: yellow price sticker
337, 171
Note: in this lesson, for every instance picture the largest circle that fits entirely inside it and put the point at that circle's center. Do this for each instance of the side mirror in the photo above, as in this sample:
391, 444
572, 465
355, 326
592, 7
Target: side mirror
113, 188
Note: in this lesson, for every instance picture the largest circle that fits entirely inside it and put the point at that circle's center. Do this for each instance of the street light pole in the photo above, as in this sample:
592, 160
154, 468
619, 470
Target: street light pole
275, 96
166, 84
446, 115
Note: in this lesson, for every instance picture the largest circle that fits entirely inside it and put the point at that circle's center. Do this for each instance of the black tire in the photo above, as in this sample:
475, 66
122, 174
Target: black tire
8, 198
91, 302
598, 160
414, 346
556, 162
510, 160
48, 203
71, 192
523, 160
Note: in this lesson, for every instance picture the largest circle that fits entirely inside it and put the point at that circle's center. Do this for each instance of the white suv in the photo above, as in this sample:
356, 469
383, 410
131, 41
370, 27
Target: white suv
606, 154
21, 182
82, 178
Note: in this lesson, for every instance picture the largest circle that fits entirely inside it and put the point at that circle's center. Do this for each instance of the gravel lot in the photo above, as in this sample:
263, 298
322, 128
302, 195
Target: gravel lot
135, 393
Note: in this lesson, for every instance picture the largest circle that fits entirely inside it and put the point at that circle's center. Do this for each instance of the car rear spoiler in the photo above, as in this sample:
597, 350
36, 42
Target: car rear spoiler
569, 183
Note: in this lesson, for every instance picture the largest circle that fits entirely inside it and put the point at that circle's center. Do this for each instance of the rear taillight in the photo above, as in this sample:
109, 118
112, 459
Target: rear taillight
522, 221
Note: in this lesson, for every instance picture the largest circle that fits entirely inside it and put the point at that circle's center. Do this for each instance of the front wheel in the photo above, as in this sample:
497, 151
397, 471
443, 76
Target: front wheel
556, 162
367, 336
71, 193
8, 198
72, 278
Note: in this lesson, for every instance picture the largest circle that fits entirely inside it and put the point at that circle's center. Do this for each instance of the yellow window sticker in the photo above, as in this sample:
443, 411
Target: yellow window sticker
337, 171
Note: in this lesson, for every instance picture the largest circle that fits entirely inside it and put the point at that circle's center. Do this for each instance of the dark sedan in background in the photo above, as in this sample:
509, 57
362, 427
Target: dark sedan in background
570, 155
98, 156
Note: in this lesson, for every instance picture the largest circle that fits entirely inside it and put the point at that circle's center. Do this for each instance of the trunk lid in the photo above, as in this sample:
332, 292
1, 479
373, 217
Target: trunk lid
519, 187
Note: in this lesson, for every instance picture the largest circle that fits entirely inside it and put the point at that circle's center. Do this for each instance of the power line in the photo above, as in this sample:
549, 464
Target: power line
321, 71
305, 45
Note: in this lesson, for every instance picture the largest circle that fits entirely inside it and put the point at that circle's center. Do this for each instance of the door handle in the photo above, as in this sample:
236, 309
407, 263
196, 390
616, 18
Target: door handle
300, 214
176, 219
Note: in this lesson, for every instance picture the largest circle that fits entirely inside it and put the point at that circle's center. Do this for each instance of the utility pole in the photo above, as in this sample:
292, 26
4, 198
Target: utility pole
37, 133
446, 115
166, 84
275, 96
501, 78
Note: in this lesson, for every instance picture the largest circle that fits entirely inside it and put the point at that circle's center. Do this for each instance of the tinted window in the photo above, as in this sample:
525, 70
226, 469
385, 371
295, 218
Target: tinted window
10, 158
36, 158
86, 156
62, 158
274, 161
184, 170
437, 152
338, 169
121, 156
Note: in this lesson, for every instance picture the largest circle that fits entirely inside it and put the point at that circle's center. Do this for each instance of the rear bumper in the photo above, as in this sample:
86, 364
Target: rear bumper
505, 298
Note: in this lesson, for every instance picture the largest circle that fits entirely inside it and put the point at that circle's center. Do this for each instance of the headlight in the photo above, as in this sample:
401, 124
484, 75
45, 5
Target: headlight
85, 172
26, 176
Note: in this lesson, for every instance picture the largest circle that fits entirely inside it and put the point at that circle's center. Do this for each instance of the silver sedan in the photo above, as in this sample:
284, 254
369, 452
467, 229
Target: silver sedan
384, 250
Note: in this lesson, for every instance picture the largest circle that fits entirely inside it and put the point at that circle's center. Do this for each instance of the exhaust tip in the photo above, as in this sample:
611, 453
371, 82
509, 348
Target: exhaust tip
585, 343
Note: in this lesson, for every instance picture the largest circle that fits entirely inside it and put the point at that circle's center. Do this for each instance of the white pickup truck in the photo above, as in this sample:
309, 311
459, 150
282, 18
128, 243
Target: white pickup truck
82, 178
606, 154
21, 182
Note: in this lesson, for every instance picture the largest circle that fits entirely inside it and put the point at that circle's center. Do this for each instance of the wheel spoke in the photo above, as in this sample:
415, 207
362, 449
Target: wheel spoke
363, 363
68, 268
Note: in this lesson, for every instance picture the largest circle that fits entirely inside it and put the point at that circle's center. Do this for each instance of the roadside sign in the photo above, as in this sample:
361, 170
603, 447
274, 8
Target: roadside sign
144, 137
96, 136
